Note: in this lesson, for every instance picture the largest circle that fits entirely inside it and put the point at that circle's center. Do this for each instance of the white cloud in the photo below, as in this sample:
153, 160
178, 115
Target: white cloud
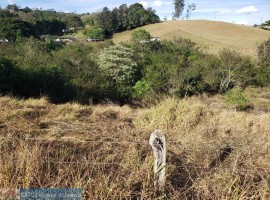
157, 3
247, 10
10, 2
144, 3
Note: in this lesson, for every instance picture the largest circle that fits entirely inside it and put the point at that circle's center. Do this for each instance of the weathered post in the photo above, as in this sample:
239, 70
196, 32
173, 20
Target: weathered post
158, 144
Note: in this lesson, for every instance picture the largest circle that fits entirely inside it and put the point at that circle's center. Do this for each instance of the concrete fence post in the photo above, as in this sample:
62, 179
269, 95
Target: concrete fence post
158, 144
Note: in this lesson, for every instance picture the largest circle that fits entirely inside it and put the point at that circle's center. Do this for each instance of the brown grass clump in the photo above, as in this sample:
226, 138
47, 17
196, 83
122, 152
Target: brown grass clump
214, 152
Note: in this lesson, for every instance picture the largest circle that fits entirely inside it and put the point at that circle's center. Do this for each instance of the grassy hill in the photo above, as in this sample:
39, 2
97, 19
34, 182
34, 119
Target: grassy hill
211, 35
214, 151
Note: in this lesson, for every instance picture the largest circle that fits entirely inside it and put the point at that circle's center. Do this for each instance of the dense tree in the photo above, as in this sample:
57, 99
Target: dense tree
49, 27
13, 28
72, 21
123, 17
178, 8
105, 20
264, 53
13, 7
96, 32
140, 35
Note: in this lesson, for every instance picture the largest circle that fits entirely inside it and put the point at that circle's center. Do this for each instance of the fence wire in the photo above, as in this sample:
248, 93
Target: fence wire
143, 142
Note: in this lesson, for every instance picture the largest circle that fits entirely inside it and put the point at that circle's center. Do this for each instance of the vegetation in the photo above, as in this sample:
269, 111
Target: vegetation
140, 35
221, 101
190, 9
123, 18
178, 8
120, 162
96, 33
237, 98
123, 73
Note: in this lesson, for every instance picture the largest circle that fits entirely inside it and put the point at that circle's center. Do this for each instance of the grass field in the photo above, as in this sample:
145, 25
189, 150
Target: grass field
214, 151
211, 35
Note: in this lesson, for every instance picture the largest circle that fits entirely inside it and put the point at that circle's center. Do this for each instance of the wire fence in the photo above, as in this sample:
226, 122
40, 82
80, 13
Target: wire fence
245, 150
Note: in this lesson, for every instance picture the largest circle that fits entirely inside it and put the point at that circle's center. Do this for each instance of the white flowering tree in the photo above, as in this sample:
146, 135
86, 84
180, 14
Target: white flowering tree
118, 64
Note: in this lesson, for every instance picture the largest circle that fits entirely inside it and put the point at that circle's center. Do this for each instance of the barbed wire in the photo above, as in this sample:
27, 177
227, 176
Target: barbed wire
179, 167
143, 142
109, 140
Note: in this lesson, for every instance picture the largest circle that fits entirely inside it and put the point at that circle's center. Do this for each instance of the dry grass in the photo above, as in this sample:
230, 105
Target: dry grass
211, 35
214, 152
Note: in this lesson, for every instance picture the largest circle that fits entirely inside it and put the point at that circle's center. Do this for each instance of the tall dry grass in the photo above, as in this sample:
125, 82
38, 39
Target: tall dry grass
214, 152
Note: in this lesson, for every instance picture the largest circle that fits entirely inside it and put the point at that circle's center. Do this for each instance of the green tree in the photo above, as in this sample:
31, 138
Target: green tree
11, 28
96, 32
140, 35
72, 21
264, 53
178, 8
104, 19
123, 17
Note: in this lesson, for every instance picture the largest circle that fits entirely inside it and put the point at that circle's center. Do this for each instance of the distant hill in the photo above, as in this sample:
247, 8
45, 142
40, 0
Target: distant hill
211, 35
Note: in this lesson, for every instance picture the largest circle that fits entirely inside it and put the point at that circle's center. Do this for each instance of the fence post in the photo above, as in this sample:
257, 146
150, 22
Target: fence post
158, 144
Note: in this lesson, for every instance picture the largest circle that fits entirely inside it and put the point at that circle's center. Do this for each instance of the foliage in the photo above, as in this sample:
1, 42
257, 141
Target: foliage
190, 8
140, 35
34, 82
49, 27
117, 62
178, 8
235, 70
264, 53
141, 88
119, 67
8, 76
237, 98
13, 28
72, 21
96, 32
125, 18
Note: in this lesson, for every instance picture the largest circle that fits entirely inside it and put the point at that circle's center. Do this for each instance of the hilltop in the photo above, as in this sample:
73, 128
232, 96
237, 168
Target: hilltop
211, 35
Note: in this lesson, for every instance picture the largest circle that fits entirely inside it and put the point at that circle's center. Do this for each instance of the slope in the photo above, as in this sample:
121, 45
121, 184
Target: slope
211, 35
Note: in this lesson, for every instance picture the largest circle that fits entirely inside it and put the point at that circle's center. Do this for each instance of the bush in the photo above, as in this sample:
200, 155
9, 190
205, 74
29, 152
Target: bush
96, 32
140, 35
10, 76
140, 89
264, 53
238, 99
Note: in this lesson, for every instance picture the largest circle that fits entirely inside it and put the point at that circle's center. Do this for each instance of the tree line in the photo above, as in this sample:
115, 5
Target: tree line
123, 18
16, 22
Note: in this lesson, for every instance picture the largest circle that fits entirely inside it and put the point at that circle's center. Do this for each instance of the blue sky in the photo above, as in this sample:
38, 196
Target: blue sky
236, 11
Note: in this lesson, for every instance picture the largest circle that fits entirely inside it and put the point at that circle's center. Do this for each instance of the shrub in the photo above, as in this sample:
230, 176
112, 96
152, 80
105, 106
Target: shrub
238, 99
140, 35
10, 76
264, 53
96, 32
140, 89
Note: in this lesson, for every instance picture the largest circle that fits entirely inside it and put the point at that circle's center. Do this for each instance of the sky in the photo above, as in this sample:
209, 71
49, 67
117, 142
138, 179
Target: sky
248, 12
